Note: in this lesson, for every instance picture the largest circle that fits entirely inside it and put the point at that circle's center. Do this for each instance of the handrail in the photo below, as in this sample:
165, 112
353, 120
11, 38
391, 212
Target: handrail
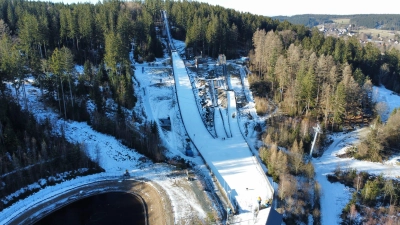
223, 122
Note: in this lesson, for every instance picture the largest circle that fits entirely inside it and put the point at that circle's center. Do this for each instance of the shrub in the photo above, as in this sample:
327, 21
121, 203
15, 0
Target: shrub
370, 192
261, 105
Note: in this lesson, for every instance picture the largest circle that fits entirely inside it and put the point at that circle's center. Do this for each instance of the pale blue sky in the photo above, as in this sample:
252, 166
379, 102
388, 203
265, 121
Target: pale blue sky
295, 7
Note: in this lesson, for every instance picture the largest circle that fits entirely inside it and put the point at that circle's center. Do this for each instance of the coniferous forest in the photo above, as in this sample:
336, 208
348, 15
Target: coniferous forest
309, 77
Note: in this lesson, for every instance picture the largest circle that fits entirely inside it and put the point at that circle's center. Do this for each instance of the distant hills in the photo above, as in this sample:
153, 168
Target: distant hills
378, 21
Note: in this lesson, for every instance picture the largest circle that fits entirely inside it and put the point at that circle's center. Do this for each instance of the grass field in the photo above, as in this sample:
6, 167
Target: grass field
382, 33
342, 21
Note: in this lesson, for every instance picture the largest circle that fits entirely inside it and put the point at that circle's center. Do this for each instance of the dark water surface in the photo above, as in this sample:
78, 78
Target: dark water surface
109, 208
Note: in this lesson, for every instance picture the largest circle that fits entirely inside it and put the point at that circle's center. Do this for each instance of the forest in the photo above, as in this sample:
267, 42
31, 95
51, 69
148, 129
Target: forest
46, 40
320, 79
324, 80
380, 21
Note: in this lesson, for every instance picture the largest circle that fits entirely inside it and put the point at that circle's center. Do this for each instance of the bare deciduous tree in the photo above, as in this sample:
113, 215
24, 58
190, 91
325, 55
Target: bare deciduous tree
389, 189
296, 157
353, 213
287, 185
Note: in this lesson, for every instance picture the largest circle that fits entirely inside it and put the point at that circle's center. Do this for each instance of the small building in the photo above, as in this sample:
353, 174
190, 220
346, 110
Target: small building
242, 60
217, 84
165, 124
269, 216
189, 53
189, 151
200, 60
221, 59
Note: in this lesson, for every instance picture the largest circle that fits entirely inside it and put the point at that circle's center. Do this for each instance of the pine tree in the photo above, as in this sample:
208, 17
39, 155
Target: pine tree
310, 89
359, 77
339, 53
125, 31
212, 35
339, 102
370, 191
86, 23
11, 17
327, 102
68, 67
389, 189
281, 73
114, 51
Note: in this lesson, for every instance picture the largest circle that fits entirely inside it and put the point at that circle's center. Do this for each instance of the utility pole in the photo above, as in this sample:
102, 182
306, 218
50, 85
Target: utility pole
317, 131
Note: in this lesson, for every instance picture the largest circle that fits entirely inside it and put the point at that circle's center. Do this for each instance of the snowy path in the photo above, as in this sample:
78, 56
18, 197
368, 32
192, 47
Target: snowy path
224, 117
232, 115
212, 92
219, 124
335, 195
228, 81
246, 86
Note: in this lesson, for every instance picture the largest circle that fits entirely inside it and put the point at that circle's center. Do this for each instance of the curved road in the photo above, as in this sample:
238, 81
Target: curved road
154, 198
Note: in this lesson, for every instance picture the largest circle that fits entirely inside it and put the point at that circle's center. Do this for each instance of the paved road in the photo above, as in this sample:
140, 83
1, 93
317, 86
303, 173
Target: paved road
155, 199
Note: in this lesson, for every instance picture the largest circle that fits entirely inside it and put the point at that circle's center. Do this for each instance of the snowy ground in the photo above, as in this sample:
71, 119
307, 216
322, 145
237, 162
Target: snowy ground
335, 195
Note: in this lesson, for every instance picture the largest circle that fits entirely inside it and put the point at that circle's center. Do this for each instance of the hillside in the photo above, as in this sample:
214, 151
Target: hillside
158, 103
378, 21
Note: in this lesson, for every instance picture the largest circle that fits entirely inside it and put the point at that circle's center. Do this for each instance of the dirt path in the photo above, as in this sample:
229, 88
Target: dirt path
155, 198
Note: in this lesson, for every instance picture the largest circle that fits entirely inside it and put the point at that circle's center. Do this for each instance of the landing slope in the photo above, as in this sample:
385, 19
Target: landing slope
230, 159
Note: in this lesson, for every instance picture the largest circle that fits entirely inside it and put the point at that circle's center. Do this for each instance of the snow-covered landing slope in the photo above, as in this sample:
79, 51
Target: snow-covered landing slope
231, 159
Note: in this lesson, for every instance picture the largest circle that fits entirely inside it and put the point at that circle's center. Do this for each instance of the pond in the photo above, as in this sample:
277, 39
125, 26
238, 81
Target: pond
108, 208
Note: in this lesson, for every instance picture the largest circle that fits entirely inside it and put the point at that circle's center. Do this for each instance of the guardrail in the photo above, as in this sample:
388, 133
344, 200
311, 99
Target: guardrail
223, 123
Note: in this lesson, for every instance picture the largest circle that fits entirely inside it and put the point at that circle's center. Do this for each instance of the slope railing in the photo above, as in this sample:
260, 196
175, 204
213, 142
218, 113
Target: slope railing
223, 123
